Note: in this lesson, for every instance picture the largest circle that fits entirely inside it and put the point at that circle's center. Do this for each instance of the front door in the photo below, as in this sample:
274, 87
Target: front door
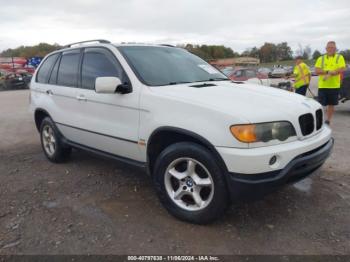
106, 122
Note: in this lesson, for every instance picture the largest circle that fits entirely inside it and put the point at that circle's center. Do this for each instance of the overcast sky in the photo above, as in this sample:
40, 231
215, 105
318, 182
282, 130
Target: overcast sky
237, 24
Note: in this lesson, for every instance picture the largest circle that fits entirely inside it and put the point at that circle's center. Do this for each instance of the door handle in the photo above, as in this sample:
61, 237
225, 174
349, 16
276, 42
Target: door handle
81, 98
49, 92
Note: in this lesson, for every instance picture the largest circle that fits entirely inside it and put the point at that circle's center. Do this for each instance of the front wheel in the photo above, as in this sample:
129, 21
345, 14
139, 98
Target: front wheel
190, 184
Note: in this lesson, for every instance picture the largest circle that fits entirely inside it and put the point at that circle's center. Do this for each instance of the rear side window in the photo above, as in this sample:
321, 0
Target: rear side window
238, 73
250, 73
98, 62
53, 77
68, 69
45, 69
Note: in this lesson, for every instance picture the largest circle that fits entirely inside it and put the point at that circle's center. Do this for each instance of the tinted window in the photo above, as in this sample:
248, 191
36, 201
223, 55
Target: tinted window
238, 73
167, 65
45, 69
98, 62
53, 77
68, 69
250, 73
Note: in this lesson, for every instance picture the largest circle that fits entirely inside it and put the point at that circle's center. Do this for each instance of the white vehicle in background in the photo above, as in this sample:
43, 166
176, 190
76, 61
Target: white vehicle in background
278, 72
205, 140
257, 81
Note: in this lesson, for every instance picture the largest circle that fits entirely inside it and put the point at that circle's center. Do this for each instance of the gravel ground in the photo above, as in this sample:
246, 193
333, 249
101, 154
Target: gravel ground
92, 205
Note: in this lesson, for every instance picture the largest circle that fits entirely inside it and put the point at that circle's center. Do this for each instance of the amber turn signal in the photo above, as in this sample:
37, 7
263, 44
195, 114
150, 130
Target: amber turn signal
244, 133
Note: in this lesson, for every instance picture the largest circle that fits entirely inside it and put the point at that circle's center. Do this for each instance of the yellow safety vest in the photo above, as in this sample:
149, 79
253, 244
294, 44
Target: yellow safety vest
301, 73
330, 63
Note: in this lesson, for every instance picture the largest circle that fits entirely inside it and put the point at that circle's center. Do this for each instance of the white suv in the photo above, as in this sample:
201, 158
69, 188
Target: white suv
204, 139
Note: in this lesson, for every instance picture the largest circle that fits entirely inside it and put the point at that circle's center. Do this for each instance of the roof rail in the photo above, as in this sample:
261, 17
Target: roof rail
102, 41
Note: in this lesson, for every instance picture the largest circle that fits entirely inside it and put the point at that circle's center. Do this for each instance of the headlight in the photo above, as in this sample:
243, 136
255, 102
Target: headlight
263, 132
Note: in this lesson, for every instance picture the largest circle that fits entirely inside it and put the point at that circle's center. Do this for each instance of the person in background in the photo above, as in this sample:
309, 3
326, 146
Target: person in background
302, 75
329, 67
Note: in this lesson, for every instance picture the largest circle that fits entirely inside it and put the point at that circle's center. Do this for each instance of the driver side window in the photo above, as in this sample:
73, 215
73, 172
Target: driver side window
98, 62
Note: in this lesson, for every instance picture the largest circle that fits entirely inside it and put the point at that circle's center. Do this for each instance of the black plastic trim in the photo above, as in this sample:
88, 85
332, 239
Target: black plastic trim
39, 109
298, 166
106, 154
248, 187
97, 133
195, 136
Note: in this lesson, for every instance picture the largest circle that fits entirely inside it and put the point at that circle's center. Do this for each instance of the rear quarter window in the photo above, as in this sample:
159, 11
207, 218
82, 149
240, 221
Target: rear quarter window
54, 71
45, 69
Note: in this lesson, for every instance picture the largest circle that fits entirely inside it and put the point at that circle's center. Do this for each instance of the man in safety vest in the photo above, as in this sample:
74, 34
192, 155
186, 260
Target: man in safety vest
302, 76
329, 68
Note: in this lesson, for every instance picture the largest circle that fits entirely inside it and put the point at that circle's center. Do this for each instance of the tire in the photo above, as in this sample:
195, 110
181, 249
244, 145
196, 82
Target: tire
190, 184
51, 142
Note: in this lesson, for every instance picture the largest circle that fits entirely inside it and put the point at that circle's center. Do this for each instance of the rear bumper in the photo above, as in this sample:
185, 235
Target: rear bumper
253, 186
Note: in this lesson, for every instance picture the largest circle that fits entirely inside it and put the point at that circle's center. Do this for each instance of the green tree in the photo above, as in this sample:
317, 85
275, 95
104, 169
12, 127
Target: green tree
40, 50
307, 52
252, 52
267, 53
208, 52
316, 54
283, 52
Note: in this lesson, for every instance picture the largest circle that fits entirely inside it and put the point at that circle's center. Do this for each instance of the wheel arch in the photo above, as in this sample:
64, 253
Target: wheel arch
39, 116
164, 136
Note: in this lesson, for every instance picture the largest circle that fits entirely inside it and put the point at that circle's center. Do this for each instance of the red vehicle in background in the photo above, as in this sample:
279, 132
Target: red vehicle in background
15, 73
17, 65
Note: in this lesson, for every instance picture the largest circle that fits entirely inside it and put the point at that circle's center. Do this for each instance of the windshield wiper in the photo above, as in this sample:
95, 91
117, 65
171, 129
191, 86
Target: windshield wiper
219, 79
180, 82
214, 79
210, 79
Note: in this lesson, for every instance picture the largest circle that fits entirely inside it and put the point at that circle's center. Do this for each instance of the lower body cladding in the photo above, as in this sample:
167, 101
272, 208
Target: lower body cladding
255, 186
251, 186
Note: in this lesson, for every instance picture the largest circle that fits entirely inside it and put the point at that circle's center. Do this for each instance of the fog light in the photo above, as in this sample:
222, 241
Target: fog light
273, 160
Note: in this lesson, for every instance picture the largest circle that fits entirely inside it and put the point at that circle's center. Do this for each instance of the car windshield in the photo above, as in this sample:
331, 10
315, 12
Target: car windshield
159, 66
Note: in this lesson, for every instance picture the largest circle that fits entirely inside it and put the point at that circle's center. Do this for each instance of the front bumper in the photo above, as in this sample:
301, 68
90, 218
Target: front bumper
255, 160
243, 186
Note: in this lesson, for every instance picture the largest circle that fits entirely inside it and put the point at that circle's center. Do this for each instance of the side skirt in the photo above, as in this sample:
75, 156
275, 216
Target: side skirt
142, 165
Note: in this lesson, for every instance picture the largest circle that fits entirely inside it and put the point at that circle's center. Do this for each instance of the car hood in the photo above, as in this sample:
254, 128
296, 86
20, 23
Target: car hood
255, 103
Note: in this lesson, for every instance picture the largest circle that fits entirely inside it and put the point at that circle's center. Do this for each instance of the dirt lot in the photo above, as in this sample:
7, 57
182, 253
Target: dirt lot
92, 205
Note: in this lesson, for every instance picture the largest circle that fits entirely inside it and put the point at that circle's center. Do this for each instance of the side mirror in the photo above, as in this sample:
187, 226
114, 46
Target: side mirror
124, 88
111, 85
107, 84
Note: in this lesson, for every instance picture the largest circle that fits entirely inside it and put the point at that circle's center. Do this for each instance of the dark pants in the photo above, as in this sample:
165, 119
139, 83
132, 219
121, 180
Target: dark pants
301, 90
328, 96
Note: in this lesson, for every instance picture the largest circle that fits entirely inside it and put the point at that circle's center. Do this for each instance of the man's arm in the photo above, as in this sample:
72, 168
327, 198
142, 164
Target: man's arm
341, 68
318, 67
320, 71
337, 72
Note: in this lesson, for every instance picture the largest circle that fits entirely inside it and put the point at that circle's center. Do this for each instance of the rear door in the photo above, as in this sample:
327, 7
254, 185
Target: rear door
40, 89
62, 88
106, 122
